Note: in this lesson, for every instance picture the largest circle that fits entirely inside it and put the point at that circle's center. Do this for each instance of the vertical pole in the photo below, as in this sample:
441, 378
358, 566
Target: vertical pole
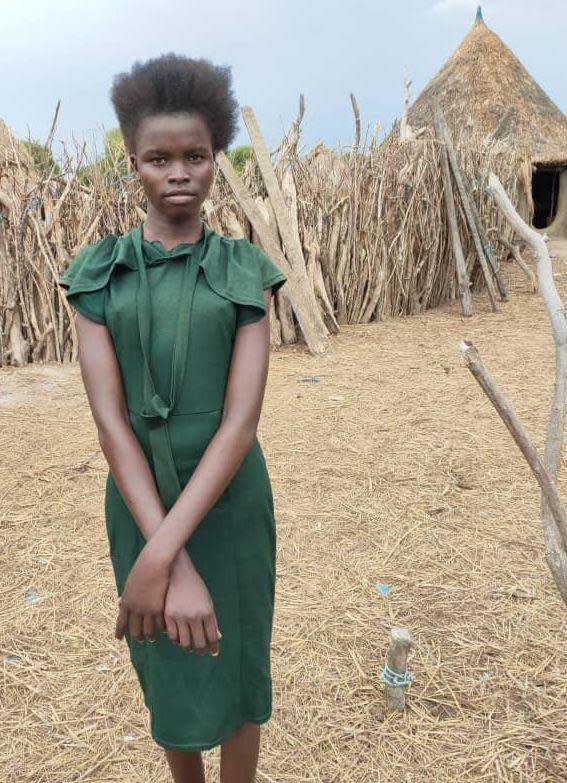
462, 276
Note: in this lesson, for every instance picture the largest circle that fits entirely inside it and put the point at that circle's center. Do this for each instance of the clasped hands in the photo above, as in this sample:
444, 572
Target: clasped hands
172, 596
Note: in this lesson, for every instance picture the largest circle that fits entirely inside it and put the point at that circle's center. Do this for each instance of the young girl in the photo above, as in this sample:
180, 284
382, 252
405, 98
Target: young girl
173, 326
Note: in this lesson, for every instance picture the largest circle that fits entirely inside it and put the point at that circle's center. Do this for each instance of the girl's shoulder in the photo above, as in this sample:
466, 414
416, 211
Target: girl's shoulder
241, 251
90, 267
241, 271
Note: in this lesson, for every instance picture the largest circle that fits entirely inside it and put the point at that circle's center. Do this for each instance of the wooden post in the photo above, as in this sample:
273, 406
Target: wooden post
462, 276
396, 668
290, 241
301, 297
445, 137
502, 288
473, 218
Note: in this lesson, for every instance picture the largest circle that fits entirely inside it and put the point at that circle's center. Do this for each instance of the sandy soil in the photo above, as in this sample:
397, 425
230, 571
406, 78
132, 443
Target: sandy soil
388, 466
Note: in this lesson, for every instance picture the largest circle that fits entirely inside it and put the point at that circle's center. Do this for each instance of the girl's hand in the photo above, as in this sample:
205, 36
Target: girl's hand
189, 614
143, 597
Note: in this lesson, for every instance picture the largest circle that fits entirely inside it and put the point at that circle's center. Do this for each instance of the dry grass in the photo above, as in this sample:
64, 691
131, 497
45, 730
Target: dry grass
392, 468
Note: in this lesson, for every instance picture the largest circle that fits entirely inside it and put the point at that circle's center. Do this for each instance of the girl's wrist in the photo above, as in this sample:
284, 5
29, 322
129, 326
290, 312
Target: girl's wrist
161, 556
183, 562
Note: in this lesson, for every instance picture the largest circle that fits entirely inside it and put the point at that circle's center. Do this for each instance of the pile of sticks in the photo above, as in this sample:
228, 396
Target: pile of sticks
452, 172
360, 233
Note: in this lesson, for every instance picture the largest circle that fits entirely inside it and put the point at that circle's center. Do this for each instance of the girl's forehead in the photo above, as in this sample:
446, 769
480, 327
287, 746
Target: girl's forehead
173, 129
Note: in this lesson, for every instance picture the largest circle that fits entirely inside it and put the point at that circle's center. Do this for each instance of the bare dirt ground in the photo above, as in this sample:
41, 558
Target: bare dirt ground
388, 466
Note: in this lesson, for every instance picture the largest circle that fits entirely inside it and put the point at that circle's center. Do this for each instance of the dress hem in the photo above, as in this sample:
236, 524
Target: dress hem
210, 745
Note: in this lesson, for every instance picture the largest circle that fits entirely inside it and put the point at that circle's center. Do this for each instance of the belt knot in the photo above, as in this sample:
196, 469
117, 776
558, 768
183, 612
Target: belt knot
156, 408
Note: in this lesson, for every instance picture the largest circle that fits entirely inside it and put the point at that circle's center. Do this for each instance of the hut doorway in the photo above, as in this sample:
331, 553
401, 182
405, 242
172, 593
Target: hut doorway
549, 190
545, 193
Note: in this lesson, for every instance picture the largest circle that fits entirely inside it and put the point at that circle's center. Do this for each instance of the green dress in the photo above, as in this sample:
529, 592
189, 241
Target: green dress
172, 316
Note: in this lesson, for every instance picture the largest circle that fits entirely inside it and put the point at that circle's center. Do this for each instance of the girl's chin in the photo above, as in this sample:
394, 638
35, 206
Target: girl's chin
175, 211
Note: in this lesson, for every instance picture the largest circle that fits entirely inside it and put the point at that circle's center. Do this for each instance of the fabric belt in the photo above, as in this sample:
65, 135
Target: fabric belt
156, 411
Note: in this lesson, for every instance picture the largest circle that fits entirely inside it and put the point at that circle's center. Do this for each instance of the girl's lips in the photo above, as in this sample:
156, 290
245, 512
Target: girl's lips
179, 198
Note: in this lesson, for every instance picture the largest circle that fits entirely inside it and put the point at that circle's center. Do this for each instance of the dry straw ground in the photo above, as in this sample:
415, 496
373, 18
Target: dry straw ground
392, 468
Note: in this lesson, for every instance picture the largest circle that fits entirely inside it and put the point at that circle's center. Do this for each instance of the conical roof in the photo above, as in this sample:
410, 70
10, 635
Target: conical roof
485, 86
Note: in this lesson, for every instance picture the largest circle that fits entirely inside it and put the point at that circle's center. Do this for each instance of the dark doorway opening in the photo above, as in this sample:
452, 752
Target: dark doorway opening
545, 194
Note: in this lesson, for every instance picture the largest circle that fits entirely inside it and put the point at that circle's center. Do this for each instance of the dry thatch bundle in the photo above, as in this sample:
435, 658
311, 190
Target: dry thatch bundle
370, 224
485, 86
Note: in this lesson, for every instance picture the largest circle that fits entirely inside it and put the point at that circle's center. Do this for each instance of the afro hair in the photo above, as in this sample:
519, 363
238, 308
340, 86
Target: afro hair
171, 84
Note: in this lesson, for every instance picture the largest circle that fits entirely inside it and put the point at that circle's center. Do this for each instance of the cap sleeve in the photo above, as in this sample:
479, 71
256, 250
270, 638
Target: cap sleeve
272, 278
86, 279
91, 304
240, 271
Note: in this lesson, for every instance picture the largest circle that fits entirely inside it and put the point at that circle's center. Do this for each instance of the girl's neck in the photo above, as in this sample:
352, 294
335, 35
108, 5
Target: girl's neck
169, 233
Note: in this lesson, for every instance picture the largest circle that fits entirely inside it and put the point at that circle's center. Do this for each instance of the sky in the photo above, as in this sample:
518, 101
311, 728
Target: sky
71, 49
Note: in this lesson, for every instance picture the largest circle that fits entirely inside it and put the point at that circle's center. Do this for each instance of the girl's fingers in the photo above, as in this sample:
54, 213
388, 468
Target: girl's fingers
172, 631
160, 621
148, 626
198, 635
121, 621
212, 635
184, 635
135, 627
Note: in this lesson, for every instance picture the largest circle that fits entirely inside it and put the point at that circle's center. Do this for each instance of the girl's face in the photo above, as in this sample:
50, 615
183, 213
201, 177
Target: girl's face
175, 162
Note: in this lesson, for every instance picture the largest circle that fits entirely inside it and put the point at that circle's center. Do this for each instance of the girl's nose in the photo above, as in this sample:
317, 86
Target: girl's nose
178, 172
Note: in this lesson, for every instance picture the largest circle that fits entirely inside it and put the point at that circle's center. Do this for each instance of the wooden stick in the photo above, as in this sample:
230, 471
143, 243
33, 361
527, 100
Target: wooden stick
517, 256
445, 136
302, 299
356, 113
290, 241
500, 282
406, 133
396, 660
524, 443
462, 276
556, 544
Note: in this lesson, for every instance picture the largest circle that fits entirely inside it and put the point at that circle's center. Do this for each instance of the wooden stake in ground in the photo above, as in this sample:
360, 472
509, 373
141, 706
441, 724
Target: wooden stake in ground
554, 518
462, 276
395, 675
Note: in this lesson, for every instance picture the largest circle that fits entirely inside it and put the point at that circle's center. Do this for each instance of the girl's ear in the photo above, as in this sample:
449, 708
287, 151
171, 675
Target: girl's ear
133, 162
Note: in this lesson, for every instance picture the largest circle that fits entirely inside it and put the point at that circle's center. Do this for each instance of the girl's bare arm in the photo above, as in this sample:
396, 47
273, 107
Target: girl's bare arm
126, 459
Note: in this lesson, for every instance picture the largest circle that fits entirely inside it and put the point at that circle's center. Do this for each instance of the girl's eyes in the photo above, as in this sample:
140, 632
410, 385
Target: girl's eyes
160, 161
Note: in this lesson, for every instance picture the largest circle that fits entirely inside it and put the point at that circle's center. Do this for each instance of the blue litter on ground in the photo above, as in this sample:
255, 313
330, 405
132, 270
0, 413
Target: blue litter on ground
31, 596
383, 589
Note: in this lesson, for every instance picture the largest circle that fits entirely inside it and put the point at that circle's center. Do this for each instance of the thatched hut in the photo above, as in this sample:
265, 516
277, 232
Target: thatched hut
483, 86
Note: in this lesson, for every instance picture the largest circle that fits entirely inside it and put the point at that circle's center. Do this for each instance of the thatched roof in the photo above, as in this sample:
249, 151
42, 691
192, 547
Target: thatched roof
485, 86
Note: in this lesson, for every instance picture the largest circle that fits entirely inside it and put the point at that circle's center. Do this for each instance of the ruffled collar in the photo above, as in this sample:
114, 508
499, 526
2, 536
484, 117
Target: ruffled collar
131, 245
